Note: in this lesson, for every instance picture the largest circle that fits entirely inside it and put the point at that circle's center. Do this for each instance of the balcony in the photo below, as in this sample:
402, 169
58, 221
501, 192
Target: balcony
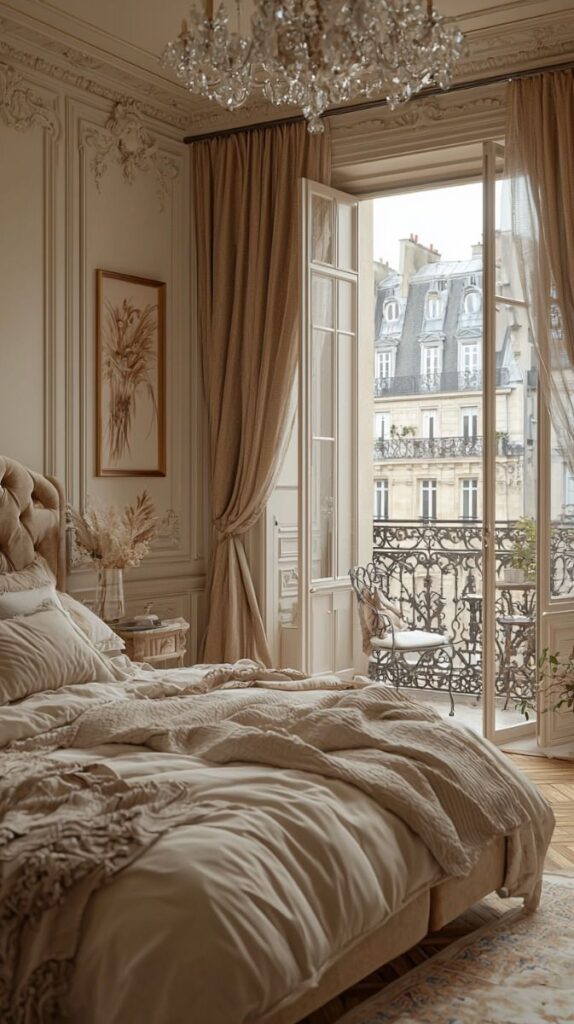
427, 448
434, 569
441, 448
436, 383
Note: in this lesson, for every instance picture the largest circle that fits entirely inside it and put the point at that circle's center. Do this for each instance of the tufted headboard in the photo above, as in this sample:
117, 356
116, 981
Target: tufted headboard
32, 519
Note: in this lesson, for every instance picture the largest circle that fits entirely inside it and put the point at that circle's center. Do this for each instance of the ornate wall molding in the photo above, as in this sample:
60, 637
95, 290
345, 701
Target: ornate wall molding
23, 108
73, 69
126, 140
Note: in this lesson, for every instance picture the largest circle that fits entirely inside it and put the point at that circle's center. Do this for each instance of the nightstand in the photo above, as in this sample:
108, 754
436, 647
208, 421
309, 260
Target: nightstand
154, 646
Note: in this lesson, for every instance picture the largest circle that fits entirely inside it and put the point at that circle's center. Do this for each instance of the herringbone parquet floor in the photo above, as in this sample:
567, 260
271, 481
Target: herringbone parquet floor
556, 780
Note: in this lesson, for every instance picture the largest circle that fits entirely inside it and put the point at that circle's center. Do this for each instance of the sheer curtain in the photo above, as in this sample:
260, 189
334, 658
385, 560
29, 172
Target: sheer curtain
245, 190
540, 165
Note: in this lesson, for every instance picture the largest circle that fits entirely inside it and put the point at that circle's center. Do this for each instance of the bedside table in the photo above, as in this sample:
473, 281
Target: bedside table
154, 646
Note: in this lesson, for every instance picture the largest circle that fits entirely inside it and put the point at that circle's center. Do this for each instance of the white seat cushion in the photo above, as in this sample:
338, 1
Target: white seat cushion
411, 640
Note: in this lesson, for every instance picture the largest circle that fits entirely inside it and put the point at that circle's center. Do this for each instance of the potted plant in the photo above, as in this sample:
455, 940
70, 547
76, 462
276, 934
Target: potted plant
522, 563
501, 442
556, 678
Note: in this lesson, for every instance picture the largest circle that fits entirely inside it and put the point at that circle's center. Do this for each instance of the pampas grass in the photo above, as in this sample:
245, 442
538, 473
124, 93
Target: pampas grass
115, 538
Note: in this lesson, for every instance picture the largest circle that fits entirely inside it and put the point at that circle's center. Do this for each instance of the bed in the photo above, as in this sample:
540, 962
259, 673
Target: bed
225, 844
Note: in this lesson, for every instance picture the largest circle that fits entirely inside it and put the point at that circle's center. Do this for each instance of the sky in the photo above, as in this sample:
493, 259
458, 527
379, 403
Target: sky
449, 218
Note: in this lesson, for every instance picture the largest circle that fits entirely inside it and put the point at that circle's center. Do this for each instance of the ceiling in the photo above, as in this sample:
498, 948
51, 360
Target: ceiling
135, 31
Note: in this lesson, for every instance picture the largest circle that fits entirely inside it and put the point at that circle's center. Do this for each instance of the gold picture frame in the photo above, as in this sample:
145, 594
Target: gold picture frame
130, 375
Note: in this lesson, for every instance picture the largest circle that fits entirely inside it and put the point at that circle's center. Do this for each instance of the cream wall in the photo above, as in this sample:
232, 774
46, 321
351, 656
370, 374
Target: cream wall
90, 179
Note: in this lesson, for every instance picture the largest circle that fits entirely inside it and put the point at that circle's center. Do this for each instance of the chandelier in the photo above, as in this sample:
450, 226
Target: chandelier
316, 54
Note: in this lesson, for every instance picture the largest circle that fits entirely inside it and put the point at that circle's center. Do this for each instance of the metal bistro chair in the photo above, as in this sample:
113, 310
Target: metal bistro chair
393, 648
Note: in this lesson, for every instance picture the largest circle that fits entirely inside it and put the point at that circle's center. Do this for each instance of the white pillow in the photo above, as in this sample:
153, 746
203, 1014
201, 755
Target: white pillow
26, 602
36, 574
98, 631
45, 651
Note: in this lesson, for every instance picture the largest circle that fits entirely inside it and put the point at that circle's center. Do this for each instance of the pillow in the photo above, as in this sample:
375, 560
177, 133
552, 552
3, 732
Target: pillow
37, 574
91, 625
26, 602
45, 651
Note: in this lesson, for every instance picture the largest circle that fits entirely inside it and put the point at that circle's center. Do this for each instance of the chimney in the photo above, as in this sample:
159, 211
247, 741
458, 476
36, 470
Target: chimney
413, 256
476, 250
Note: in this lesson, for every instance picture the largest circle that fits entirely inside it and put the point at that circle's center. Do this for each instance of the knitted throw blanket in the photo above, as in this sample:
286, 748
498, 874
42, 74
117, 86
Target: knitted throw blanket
68, 829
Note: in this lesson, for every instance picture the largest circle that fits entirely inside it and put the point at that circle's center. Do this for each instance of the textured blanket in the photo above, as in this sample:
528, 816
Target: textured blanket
67, 830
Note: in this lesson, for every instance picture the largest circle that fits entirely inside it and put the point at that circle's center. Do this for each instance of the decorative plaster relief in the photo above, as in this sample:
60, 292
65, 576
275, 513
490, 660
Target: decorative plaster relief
169, 530
21, 107
127, 140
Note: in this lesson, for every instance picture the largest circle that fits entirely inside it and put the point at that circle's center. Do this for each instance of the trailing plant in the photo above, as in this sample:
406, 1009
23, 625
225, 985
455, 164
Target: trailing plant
524, 551
556, 679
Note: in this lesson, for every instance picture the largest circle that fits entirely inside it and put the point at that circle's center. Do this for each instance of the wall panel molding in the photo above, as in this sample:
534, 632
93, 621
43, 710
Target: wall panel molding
77, 118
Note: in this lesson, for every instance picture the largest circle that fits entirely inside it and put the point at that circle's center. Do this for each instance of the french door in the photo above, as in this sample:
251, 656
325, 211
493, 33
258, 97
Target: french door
334, 510
334, 482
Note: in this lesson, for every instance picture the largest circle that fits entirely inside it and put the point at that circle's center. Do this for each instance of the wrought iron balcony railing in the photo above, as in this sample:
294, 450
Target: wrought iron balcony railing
427, 448
448, 381
434, 570
440, 448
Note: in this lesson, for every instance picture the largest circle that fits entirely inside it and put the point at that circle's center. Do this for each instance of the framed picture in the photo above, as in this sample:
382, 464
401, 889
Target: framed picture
130, 375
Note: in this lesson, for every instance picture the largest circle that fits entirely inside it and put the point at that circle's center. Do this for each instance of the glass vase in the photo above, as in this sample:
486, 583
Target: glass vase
110, 594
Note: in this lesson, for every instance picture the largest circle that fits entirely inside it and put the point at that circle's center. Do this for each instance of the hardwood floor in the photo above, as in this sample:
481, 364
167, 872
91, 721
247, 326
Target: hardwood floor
555, 779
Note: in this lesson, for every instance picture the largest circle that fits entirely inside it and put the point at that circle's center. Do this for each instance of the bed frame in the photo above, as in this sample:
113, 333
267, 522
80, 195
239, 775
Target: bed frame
33, 519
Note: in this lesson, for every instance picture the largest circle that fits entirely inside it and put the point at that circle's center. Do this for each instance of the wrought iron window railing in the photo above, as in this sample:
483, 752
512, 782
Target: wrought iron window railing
440, 447
434, 570
436, 382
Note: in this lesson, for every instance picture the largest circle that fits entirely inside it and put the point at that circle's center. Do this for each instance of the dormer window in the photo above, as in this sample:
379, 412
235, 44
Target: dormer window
472, 302
433, 309
391, 311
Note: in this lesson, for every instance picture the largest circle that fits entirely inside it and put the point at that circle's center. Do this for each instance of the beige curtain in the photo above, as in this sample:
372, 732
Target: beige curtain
540, 166
245, 195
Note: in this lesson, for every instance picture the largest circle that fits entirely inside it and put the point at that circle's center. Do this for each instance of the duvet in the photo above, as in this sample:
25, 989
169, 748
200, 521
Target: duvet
199, 845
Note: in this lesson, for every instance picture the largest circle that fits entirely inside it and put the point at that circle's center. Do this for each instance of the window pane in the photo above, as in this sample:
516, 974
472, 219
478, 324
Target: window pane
346, 309
323, 300
322, 221
322, 384
346, 237
322, 506
562, 527
345, 492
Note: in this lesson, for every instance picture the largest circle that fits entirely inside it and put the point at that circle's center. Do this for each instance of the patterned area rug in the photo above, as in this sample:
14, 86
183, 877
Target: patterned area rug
516, 969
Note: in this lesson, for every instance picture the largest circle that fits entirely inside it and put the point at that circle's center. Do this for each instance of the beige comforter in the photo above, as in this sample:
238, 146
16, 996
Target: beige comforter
445, 786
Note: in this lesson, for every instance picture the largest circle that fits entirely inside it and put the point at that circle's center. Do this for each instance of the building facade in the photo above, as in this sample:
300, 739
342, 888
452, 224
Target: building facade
428, 355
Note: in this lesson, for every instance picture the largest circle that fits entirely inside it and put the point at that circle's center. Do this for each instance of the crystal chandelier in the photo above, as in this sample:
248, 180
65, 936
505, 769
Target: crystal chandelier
316, 54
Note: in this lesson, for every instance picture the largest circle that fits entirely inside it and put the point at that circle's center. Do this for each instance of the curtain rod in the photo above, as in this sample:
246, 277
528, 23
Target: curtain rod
475, 83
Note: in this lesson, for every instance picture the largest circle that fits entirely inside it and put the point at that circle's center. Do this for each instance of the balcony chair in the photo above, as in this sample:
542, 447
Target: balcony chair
394, 649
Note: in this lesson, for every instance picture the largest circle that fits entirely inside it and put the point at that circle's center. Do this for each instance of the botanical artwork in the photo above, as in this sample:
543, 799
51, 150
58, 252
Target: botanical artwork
130, 376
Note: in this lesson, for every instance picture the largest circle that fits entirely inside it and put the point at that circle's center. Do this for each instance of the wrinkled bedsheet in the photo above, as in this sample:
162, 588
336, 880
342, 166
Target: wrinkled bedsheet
239, 910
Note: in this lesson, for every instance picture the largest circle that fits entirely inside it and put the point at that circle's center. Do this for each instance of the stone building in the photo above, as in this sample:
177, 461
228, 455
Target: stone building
428, 436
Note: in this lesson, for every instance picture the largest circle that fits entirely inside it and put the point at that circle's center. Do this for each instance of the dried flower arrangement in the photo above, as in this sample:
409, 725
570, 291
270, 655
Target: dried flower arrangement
114, 538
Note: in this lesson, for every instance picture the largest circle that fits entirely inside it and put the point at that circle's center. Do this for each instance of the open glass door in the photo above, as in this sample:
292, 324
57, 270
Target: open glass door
529, 587
329, 424
510, 473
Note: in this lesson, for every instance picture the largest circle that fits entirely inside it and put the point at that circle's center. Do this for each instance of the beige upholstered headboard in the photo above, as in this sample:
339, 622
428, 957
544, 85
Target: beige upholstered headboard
32, 519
